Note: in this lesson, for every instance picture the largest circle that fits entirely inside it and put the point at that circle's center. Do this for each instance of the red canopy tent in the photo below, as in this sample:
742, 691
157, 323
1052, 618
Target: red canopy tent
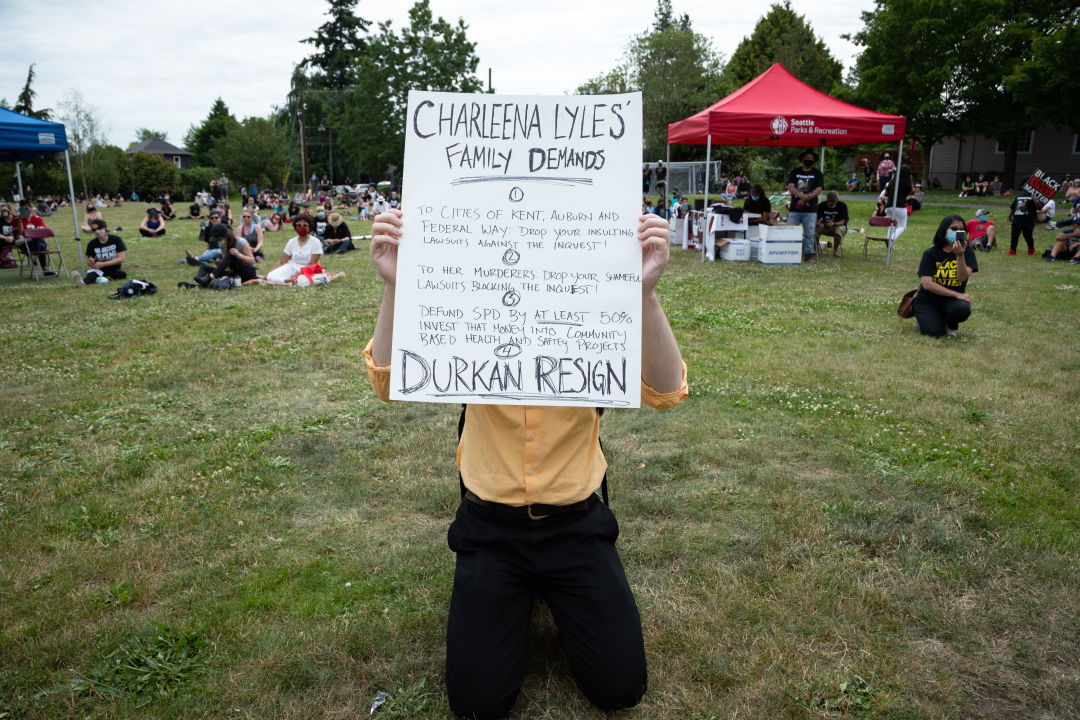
777, 109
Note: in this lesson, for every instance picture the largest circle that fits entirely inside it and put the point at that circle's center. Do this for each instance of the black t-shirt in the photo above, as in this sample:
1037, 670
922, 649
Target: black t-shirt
341, 232
1024, 211
941, 266
805, 181
7, 228
838, 213
761, 205
108, 250
660, 174
321, 223
901, 197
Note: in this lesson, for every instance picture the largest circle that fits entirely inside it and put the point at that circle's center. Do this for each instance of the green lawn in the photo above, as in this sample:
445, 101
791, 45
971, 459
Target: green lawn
204, 511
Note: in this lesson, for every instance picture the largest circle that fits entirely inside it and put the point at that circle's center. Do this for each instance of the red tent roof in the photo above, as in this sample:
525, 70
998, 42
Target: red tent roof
776, 108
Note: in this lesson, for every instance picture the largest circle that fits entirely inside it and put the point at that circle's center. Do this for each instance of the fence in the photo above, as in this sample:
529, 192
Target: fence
689, 177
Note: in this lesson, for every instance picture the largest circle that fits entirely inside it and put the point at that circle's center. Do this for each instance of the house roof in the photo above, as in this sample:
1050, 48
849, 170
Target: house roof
156, 146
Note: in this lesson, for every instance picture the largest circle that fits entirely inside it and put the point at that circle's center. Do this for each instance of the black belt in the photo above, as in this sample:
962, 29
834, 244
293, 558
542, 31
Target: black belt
536, 511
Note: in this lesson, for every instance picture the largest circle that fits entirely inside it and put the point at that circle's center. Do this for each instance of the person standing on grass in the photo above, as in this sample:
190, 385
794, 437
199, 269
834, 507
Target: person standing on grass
1022, 214
805, 185
895, 199
942, 302
530, 522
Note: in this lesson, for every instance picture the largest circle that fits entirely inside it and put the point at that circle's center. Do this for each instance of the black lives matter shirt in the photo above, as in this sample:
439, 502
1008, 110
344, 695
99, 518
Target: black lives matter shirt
1024, 211
103, 251
805, 181
941, 266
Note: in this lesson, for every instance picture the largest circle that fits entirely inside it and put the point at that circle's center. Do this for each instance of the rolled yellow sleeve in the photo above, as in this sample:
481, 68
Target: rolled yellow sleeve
379, 377
649, 396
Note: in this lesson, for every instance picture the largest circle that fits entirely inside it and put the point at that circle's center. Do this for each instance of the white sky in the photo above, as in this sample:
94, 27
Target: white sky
161, 66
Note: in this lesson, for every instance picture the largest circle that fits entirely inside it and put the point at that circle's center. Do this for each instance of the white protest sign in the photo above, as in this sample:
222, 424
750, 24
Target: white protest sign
519, 269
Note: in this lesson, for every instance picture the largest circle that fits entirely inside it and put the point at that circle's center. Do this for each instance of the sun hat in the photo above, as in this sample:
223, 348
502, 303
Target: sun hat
335, 219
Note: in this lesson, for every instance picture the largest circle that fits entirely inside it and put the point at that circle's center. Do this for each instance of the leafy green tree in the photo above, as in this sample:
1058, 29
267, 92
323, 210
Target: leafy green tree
146, 133
199, 140
910, 65
785, 37
152, 175
104, 168
677, 71
25, 102
428, 54
81, 127
254, 151
338, 43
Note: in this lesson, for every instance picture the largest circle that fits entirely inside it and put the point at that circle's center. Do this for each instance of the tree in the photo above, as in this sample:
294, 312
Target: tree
82, 129
152, 175
25, 102
785, 37
911, 65
676, 70
146, 133
105, 166
338, 42
254, 151
429, 54
199, 141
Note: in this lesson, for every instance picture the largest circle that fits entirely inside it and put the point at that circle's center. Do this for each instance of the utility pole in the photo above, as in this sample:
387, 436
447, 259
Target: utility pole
303, 142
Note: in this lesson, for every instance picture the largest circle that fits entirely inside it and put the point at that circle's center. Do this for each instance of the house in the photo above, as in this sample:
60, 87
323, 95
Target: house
156, 146
1054, 150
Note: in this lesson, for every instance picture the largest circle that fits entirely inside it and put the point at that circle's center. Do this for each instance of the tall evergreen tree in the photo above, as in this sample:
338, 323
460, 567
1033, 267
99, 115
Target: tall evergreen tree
25, 102
338, 43
199, 141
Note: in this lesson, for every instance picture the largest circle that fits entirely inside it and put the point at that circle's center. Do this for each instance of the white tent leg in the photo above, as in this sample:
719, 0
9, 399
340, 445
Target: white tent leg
896, 198
75, 217
18, 174
708, 161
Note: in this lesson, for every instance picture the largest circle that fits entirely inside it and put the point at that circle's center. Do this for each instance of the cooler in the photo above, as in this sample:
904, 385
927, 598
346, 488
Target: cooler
736, 249
777, 245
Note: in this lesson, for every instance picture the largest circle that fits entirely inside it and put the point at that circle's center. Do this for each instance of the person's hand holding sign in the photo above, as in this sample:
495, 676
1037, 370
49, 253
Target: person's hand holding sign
385, 235
655, 248
661, 362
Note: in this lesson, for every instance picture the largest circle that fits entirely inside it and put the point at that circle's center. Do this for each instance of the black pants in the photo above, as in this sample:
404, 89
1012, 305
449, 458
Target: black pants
1028, 238
337, 248
570, 561
160, 232
934, 318
228, 265
113, 272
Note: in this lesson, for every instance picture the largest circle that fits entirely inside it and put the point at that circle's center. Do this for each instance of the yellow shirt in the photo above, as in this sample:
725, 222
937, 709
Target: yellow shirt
525, 454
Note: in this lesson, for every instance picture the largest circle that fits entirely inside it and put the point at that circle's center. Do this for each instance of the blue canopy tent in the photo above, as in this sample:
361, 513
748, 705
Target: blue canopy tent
25, 138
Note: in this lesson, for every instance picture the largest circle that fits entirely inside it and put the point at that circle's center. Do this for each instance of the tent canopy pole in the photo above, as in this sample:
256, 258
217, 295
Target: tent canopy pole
18, 174
708, 162
74, 215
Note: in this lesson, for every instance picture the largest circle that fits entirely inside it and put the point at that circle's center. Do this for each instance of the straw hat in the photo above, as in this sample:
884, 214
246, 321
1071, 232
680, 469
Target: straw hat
335, 219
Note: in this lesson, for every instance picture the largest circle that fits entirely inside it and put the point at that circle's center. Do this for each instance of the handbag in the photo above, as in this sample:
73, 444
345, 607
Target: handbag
907, 304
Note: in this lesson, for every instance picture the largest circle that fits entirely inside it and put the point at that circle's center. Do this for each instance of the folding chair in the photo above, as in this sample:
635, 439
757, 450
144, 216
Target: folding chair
888, 239
29, 258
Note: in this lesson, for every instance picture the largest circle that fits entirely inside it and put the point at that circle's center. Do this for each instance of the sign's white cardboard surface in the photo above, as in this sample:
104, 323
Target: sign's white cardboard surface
519, 269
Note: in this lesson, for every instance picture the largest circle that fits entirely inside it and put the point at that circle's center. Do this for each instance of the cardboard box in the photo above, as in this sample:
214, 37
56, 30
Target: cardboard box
777, 245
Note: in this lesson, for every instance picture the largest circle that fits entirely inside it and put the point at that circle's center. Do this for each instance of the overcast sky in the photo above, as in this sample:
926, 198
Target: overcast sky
161, 66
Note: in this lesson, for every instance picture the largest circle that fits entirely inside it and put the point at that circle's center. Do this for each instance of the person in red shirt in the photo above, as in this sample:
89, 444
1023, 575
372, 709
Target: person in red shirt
982, 233
29, 220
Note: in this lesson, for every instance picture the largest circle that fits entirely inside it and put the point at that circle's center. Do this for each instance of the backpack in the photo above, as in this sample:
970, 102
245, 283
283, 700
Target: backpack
134, 288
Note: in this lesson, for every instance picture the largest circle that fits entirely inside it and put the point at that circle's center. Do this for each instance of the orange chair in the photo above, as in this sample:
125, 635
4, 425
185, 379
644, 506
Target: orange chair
889, 238
29, 259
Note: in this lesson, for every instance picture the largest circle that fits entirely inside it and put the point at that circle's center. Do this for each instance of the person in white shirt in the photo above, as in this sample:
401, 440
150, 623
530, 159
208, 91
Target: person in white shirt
1046, 212
303, 250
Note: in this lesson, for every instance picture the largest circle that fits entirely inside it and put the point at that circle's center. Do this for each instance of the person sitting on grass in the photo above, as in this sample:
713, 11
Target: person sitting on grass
236, 262
29, 220
942, 303
251, 230
194, 211
301, 251
832, 220
167, 211
92, 213
338, 238
272, 223
1045, 214
982, 186
152, 225
1072, 192
1066, 243
853, 183
212, 235
967, 187
105, 254
995, 186
982, 233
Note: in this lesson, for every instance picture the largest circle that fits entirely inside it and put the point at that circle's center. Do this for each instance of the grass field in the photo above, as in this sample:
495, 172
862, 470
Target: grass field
204, 511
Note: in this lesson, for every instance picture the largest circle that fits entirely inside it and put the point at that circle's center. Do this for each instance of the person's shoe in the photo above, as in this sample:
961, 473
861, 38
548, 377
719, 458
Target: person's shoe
949, 332
1031, 251
191, 259
1051, 258
77, 280
1074, 261
1051, 225
1011, 252
186, 285
118, 229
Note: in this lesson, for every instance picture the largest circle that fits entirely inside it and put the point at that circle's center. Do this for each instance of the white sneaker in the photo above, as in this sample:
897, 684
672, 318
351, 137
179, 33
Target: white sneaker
77, 281
949, 332
1052, 225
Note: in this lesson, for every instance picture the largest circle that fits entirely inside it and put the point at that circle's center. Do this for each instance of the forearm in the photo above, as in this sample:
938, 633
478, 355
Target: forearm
383, 337
929, 285
661, 360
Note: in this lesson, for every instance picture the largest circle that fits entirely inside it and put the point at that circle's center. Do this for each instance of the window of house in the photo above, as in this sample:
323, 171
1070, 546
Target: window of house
176, 160
1025, 145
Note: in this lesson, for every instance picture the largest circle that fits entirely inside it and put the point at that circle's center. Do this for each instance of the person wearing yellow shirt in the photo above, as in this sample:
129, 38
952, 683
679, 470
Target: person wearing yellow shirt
531, 522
